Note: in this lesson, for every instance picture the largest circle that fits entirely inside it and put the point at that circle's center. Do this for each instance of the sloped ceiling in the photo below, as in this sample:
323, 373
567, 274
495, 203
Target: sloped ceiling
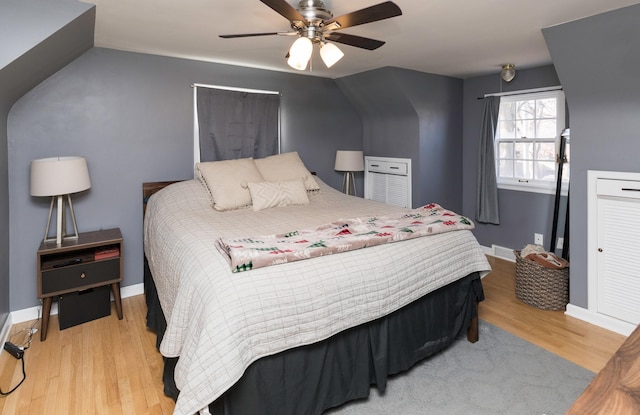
462, 38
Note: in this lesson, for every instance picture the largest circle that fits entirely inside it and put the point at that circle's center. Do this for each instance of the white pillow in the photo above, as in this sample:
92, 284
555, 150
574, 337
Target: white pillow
227, 181
265, 195
284, 167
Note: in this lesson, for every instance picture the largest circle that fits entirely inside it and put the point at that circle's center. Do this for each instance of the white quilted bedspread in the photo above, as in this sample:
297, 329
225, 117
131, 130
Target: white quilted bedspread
219, 322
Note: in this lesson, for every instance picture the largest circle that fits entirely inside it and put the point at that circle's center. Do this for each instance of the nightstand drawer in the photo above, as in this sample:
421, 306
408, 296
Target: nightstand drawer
78, 276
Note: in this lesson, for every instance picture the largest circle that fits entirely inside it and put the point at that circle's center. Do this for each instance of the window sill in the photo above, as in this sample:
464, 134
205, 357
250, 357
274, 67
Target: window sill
534, 188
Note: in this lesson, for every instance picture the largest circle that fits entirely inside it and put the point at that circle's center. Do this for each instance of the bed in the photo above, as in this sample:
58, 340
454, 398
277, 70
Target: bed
303, 336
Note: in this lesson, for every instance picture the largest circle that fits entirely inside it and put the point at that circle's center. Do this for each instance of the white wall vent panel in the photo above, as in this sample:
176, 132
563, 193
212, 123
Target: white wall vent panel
388, 180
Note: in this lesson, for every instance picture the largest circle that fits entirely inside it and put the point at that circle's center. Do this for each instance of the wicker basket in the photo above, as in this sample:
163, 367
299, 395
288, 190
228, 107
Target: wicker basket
539, 286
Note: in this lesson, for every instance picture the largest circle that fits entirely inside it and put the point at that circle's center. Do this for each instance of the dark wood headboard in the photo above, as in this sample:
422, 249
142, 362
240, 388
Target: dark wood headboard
149, 188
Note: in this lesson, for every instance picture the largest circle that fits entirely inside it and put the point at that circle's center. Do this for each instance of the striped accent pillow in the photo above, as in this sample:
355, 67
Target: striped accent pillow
265, 195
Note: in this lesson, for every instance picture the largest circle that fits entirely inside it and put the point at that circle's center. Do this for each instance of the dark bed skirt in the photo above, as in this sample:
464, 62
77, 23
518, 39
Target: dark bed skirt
309, 379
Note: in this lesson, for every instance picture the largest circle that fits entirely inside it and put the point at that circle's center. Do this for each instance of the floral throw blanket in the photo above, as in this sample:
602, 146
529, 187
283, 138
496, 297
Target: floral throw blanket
245, 254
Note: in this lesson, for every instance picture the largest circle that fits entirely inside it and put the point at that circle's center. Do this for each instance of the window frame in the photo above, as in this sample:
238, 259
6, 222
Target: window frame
532, 185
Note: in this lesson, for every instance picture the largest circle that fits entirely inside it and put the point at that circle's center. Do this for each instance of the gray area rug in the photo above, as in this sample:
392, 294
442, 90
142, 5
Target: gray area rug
500, 374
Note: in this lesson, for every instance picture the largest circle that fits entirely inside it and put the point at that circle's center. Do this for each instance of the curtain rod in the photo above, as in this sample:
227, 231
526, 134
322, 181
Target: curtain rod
230, 88
524, 91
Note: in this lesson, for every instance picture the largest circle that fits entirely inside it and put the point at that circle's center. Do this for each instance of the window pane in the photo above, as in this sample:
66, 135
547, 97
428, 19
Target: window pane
546, 108
525, 128
526, 109
505, 150
523, 151
507, 110
546, 151
546, 129
545, 170
506, 129
523, 169
505, 168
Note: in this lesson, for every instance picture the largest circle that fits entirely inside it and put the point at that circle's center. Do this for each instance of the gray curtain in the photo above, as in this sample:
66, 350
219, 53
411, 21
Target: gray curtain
236, 124
487, 189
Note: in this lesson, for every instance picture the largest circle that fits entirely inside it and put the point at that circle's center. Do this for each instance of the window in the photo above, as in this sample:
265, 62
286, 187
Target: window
233, 123
528, 139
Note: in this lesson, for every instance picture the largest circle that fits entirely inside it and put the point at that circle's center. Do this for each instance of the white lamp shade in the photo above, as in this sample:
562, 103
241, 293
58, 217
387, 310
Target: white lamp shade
59, 176
349, 160
330, 54
300, 53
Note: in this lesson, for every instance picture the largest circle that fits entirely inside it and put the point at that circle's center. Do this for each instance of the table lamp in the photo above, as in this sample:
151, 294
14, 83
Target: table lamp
349, 162
59, 177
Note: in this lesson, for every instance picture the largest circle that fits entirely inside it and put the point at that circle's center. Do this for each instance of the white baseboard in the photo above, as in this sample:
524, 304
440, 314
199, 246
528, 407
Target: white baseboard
132, 290
33, 313
600, 320
499, 252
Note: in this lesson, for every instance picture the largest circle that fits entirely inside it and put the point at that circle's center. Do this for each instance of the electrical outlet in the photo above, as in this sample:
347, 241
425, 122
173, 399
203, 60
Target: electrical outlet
560, 243
537, 238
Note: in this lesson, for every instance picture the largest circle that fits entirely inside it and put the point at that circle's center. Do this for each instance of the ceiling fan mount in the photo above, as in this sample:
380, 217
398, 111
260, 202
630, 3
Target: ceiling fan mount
315, 15
311, 20
313, 11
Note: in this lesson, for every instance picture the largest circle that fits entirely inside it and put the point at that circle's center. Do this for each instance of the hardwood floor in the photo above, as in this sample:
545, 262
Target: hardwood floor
111, 366
575, 340
106, 366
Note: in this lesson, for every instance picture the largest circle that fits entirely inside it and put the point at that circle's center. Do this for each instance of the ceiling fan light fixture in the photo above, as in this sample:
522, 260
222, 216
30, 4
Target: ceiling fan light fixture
314, 23
508, 72
300, 53
330, 54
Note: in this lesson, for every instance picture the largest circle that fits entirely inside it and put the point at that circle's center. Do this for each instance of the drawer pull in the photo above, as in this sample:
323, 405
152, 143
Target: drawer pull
83, 275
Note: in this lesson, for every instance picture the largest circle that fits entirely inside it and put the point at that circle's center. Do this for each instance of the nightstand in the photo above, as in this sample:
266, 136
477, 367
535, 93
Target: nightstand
94, 259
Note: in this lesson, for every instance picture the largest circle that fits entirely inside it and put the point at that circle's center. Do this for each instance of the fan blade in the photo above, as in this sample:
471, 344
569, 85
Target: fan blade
248, 35
380, 11
357, 41
284, 9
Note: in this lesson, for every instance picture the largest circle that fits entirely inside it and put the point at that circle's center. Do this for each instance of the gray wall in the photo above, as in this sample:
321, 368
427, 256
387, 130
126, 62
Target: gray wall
131, 116
598, 63
36, 39
521, 213
414, 115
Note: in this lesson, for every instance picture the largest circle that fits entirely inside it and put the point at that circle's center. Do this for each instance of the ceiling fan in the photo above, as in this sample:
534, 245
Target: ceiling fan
313, 24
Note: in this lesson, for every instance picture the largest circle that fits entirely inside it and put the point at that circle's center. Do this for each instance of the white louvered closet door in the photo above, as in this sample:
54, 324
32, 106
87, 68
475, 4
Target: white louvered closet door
618, 249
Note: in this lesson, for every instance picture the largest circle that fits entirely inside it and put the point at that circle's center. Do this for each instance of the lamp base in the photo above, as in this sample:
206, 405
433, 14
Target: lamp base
349, 183
60, 225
